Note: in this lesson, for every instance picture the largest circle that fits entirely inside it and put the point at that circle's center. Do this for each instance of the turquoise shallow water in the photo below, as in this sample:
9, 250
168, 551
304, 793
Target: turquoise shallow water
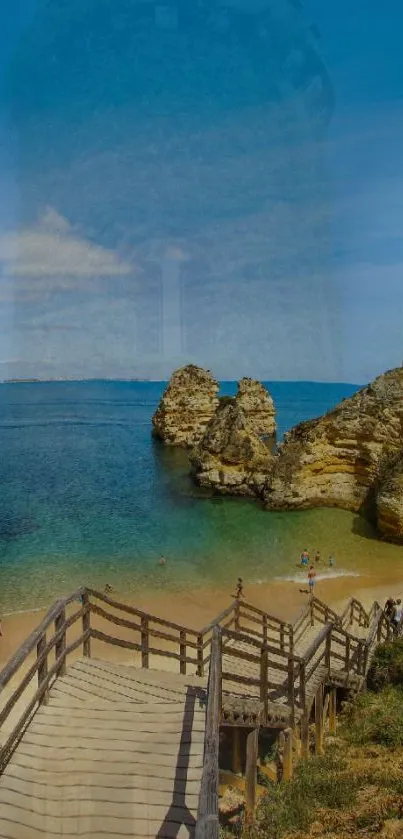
87, 496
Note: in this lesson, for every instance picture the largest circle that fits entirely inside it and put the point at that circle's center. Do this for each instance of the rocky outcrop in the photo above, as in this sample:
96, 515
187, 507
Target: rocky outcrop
337, 459
187, 405
231, 458
389, 501
257, 405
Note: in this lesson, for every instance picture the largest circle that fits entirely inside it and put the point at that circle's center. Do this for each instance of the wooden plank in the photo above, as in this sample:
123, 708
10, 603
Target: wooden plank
252, 742
332, 711
287, 755
319, 720
236, 751
207, 826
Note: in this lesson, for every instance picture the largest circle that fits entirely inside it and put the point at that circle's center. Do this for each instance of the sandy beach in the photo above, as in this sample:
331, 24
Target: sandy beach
195, 609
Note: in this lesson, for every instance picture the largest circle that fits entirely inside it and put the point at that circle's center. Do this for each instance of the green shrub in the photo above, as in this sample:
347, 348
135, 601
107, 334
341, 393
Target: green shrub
375, 718
320, 782
387, 666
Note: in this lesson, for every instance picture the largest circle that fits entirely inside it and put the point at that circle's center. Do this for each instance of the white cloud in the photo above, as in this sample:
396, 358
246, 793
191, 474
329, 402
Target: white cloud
51, 248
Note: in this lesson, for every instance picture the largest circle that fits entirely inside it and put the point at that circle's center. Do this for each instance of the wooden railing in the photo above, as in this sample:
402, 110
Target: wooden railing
179, 640
207, 825
50, 638
74, 622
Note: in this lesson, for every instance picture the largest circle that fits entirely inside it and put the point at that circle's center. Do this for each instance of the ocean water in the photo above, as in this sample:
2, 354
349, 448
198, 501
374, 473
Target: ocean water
88, 497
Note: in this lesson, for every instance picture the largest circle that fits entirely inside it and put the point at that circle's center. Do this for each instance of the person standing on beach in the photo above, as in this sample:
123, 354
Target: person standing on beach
239, 589
304, 558
331, 561
311, 579
317, 556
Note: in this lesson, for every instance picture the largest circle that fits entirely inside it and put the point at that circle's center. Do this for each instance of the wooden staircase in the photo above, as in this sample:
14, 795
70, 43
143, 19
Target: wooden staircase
93, 748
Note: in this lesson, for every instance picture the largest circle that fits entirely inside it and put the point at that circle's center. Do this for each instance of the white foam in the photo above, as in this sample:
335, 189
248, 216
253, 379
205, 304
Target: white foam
324, 575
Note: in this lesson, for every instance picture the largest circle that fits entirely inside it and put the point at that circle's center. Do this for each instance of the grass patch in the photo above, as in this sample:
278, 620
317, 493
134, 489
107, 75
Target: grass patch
375, 718
387, 666
290, 807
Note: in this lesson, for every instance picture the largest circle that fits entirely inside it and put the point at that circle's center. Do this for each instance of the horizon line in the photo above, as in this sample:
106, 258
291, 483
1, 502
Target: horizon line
137, 380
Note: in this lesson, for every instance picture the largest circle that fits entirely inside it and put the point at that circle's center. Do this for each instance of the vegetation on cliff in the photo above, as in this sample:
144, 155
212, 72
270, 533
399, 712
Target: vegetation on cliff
356, 788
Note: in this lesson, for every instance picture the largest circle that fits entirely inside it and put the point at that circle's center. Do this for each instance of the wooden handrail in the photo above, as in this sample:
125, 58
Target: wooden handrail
31, 642
210, 626
316, 643
356, 651
253, 642
131, 610
207, 825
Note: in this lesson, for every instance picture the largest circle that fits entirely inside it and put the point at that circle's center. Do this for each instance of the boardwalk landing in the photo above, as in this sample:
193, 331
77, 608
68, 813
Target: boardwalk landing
101, 750
117, 752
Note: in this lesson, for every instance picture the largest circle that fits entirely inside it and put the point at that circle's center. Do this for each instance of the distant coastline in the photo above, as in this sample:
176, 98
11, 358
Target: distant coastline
33, 380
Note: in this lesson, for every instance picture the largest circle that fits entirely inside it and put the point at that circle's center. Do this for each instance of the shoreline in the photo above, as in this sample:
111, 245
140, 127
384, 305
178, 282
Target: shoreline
196, 608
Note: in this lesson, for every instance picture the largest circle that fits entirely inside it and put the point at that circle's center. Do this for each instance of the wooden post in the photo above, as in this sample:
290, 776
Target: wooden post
264, 628
326, 709
332, 711
237, 610
281, 636
290, 689
305, 735
42, 669
252, 742
360, 657
182, 651
144, 642
328, 651
236, 751
200, 665
287, 755
351, 612
319, 720
302, 686
291, 639
86, 624
347, 658
365, 658
263, 684
60, 645
311, 606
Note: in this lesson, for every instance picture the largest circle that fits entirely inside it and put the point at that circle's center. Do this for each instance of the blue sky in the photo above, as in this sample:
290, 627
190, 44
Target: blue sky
225, 190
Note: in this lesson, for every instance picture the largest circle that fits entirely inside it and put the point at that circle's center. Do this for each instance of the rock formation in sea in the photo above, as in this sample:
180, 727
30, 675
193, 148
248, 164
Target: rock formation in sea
231, 458
335, 460
257, 404
187, 405
389, 501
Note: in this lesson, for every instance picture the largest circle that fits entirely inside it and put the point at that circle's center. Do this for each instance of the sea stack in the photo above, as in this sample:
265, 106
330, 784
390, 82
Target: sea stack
389, 501
187, 405
335, 460
231, 458
257, 404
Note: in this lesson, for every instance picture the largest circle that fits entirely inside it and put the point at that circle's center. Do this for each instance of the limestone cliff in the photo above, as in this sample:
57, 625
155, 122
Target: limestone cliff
389, 501
336, 460
231, 458
187, 405
257, 405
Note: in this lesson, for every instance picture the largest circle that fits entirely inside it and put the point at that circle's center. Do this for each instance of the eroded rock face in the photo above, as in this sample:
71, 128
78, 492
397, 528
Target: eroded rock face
258, 406
231, 458
336, 460
187, 405
389, 501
